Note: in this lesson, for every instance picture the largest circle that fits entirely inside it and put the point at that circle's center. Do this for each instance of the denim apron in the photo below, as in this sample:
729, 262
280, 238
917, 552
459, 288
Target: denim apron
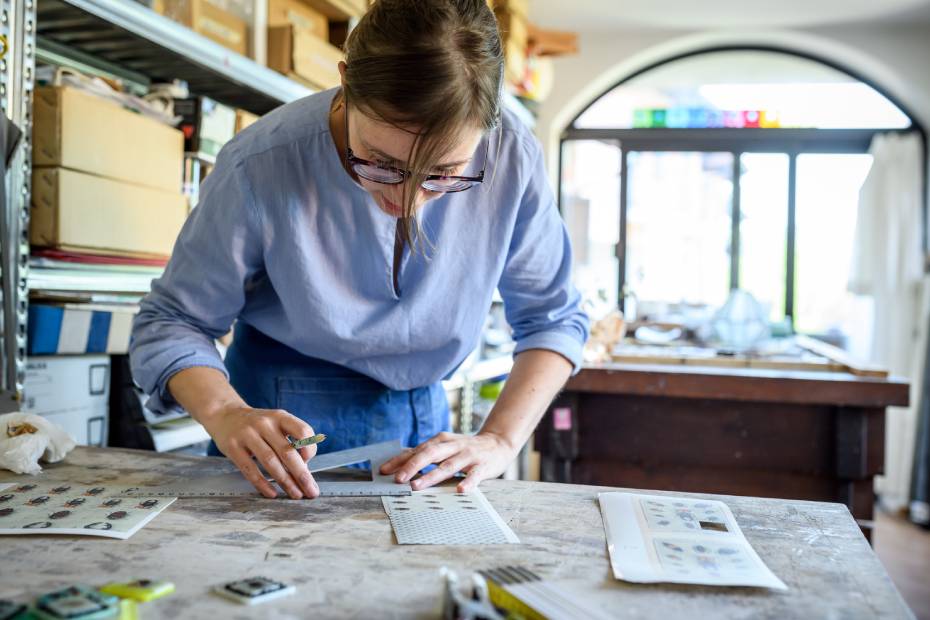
350, 408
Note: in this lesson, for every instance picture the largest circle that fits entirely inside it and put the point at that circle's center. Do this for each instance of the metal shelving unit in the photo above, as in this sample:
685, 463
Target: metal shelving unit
17, 76
128, 36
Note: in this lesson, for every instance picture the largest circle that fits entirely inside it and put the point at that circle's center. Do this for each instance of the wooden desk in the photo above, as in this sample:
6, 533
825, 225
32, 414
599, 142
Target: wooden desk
346, 563
795, 435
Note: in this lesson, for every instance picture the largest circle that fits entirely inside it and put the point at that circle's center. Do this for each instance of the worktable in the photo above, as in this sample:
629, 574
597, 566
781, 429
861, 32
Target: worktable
341, 553
770, 433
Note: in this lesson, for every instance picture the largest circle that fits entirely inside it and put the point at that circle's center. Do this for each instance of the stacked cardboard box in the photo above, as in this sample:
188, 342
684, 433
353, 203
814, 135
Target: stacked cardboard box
511, 17
213, 19
244, 119
301, 36
106, 180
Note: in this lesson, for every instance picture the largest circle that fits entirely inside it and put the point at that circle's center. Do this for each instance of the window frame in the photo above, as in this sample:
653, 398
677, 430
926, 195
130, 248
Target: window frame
789, 141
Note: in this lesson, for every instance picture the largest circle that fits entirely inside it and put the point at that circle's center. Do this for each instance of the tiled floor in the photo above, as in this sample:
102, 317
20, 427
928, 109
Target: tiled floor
904, 549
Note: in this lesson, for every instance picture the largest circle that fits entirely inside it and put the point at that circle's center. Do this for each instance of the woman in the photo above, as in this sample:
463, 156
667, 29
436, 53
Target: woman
356, 237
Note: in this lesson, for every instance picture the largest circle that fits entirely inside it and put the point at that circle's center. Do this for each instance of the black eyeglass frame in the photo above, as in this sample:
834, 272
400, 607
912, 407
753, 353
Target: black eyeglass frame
352, 161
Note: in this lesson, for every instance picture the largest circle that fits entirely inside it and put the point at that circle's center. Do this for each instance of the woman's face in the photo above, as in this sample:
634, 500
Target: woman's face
389, 145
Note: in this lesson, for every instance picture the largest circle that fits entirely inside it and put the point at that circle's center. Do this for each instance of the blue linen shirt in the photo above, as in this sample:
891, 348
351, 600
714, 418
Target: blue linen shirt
285, 240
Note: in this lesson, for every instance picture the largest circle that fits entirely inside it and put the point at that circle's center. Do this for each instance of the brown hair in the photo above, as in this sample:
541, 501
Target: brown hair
429, 66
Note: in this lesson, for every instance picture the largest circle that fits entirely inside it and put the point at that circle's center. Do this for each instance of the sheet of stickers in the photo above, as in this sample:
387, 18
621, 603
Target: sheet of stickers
64, 508
668, 539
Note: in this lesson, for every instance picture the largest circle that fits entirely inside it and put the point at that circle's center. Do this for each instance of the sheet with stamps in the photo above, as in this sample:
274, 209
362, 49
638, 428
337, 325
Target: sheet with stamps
440, 516
49, 507
669, 539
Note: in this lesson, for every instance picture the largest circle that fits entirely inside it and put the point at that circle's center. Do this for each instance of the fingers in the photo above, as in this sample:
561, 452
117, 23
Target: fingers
290, 465
298, 429
244, 462
475, 475
432, 451
268, 458
391, 465
443, 471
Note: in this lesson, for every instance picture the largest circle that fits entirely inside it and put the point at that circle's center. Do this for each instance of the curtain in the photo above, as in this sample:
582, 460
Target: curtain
888, 265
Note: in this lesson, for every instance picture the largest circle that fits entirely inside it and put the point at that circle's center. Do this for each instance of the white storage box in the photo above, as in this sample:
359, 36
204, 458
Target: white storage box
71, 391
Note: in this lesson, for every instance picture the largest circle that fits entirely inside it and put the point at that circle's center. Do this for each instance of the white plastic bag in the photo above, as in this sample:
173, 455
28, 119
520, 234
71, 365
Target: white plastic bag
21, 454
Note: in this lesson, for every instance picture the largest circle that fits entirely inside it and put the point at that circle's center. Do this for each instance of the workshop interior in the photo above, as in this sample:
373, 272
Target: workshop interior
465, 309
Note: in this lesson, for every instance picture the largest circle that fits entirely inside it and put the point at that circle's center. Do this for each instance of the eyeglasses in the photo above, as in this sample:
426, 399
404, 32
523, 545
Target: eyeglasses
389, 175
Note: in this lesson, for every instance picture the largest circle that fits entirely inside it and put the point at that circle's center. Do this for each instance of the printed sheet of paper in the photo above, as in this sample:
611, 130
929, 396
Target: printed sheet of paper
668, 539
63, 508
440, 516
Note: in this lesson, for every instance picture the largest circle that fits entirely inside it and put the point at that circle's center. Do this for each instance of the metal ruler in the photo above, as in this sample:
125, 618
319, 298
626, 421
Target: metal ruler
234, 485
230, 486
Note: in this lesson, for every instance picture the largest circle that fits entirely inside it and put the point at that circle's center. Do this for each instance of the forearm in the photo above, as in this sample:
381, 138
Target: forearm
203, 392
536, 378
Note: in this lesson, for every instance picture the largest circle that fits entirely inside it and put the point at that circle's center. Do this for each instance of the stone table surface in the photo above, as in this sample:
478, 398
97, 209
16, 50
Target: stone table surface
341, 554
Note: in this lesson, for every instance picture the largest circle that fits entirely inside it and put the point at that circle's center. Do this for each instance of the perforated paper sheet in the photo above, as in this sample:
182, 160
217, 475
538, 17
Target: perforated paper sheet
440, 516
662, 538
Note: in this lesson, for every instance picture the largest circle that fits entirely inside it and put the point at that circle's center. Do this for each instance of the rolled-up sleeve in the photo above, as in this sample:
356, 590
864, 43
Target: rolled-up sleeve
203, 288
540, 301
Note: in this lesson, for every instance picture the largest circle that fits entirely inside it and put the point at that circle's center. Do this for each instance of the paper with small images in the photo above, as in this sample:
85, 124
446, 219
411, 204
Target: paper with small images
63, 508
669, 539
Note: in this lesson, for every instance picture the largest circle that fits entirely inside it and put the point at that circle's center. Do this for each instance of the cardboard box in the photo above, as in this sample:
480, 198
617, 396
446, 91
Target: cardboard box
515, 38
340, 10
514, 29
71, 391
204, 17
551, 42
514, 63
298, 54
207, 125
296, 13
243, 9
77, 130
519, 7
244, 119
77, 211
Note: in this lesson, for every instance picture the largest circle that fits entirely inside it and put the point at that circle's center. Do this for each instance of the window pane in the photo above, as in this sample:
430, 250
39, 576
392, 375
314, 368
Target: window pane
763, 229
678, 226
737, 88
827, 204
591, 208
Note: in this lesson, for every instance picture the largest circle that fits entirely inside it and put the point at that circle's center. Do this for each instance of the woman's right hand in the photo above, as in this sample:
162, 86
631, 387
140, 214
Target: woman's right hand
241, 433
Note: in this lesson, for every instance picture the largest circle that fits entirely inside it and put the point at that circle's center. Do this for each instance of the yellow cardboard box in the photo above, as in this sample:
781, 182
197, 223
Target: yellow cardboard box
520, 7
244, 118
296, 53
206, 18
515, 38
77, 130
77, 211
340, 10
287, 12
514, 29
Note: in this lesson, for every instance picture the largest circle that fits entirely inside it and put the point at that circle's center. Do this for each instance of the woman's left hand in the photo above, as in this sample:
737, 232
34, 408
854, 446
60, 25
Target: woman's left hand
482, 456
